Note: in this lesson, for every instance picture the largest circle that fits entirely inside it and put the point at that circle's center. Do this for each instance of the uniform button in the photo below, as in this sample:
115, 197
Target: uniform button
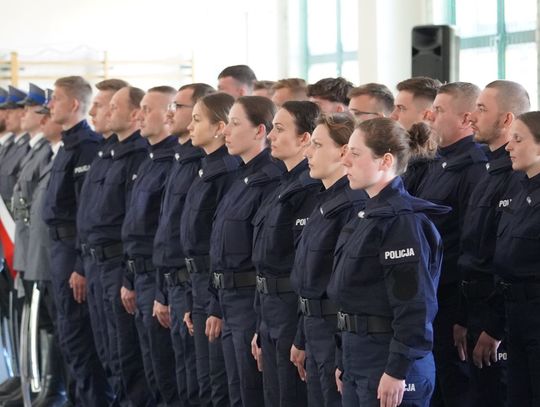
177, 156
246, 180
201, 172
100, 154
361, 214
112, 153
529, 200
487, 166
444, 164
321, 209
152, 155
21, 200
134, 177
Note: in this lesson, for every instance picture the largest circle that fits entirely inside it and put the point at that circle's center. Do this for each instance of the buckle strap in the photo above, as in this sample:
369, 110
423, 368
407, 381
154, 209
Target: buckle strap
370, 324
520, 292
198, 264
316, 308
176, 277
240, 279
64, 231
103, 253
140, 265
273, 285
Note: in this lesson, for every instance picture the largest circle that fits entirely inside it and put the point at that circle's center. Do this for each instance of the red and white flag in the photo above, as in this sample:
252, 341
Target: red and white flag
7, 235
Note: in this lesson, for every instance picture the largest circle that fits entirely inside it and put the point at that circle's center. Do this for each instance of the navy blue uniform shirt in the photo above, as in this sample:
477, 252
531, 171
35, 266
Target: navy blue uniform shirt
387, 264
232, 231
314, 258
279, 221
450, 181
80, 145
142, 213
415, 174
168, 250
517, 252
110, 206
215, 177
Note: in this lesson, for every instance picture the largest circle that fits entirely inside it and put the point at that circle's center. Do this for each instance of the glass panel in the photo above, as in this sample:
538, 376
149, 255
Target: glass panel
520, 15
322, 29
476, 18
521, 66
349, 25
478, 65
440, 11
349, 70
319, 71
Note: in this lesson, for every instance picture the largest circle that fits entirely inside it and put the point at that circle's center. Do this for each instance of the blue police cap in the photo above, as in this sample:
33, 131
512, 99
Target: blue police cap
35, 97
14, 96
45, 105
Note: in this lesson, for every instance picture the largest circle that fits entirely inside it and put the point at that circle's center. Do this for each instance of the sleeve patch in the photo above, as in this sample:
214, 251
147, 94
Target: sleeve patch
399, 254
80, 170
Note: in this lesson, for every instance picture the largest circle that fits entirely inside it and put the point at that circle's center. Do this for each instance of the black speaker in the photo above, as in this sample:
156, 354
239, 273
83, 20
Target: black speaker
435, 52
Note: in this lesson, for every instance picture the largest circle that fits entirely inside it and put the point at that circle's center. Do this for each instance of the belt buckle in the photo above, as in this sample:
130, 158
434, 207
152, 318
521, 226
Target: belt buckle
218, 280
131, 266
343, 321
168, 279
262, 285
304, 306
93, 254
190, 265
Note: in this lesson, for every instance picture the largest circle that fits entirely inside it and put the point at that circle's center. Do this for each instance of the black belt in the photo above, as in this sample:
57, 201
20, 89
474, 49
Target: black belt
370, 324
140, 265
176, 277
198, 264
240, 279
520, 292
317, 308
273, 285
103, 253
477, 289
61, 232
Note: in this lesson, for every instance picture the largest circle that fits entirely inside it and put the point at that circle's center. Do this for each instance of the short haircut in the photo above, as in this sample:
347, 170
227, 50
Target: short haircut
242, 73
111, 84
297, 86
421, 87
200, 90
257, 85
304, 113
511, 96
166, 90
77, 87
463, 93
135, 96
379, 92
332, 89
340, 126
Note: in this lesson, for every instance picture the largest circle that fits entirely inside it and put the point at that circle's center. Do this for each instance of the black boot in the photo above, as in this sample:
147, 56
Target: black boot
52, 392
9, 385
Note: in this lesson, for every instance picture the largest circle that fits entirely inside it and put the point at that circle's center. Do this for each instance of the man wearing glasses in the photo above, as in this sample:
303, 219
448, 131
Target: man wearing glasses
370, 100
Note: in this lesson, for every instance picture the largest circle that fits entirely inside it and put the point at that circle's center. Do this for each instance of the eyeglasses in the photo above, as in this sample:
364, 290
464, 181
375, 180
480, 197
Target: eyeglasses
361, 113
173, 107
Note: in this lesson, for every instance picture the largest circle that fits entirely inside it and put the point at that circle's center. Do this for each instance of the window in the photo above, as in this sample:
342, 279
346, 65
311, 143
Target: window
330, 39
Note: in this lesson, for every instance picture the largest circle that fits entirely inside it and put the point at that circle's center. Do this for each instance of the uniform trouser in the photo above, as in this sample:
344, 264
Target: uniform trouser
214, 383
490, 382
155, 340
364, 360
184, 348
122, 337
454, 387
75, 333
523, 323
279, 321
240, 319
321, 362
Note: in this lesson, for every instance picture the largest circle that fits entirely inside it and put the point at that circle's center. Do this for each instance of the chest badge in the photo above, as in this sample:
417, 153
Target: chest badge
361, 214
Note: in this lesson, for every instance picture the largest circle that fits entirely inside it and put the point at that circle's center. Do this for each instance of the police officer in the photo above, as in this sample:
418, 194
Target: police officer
250, 120
385, 276
450, 180
170, 307
412, 105
330, 94
277, 226
105, 243
214, 179
336, 205
38, 269
517, 256
10, 165
370, 100
480, 330
86, 217
138, 230
80, 144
